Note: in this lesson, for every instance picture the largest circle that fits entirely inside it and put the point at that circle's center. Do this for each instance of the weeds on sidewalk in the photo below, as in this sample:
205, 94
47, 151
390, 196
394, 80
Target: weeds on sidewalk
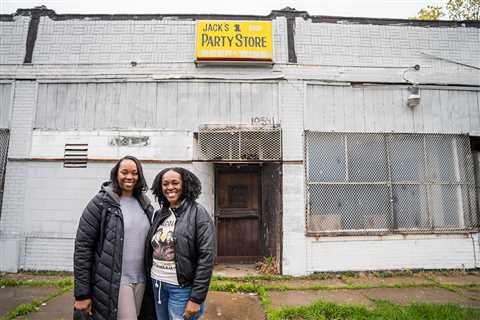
26, 308
59, 283
321, 310
62, 284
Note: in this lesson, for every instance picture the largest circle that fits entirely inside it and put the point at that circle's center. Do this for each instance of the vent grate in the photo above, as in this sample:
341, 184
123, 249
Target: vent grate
76, 155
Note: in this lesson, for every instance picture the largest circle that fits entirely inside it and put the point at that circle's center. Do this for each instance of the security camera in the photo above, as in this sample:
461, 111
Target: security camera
413, 99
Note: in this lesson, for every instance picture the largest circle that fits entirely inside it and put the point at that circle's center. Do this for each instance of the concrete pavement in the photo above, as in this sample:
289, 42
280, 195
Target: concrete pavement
362, 288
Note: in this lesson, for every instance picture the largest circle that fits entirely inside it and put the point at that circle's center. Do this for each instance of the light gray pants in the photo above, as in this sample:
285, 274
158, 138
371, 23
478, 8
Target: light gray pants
130, 301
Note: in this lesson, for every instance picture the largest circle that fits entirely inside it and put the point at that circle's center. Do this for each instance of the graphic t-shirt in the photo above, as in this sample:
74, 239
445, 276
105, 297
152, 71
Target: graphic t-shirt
163, 268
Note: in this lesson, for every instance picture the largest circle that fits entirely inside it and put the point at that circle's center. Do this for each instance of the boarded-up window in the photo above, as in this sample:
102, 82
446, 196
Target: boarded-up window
389, 182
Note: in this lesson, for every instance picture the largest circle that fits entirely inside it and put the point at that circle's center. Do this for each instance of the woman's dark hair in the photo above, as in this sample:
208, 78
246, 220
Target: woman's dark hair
191, 185
141, 184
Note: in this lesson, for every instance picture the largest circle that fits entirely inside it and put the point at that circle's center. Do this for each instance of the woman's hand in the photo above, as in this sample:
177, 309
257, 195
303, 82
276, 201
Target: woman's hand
83, 305
191, 309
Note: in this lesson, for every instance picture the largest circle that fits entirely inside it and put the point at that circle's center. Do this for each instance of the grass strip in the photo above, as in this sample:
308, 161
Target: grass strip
322, 310
59, 283
231, 286
25, 308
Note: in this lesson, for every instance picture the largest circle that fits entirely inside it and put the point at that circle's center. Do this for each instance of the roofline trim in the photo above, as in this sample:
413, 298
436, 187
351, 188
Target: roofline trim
286, 12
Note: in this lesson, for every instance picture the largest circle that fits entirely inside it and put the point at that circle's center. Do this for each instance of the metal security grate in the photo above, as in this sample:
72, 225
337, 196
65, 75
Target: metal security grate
236, 143
4, 140
389, 182
75, 155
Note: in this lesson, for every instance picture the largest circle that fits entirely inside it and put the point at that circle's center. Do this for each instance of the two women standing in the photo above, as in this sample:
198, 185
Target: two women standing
130, 263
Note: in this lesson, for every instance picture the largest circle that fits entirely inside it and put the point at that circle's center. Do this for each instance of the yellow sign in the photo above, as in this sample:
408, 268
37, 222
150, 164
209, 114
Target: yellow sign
234, 40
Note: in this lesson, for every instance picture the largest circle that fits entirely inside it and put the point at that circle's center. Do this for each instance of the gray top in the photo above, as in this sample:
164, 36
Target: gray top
135, 226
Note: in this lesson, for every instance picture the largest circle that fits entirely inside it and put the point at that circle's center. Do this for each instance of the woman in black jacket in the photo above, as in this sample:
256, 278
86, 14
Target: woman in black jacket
181, 265
109, 246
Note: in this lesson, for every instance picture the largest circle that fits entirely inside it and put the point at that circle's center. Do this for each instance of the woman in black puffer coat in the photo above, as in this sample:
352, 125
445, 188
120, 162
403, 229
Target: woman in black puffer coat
99, 247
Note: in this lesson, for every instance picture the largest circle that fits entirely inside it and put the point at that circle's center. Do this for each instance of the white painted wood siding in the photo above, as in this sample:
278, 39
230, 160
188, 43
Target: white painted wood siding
5, 104
179, 105
384, 109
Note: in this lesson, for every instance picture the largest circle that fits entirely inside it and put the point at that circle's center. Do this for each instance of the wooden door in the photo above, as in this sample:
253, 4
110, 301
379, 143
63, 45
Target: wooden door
237, 213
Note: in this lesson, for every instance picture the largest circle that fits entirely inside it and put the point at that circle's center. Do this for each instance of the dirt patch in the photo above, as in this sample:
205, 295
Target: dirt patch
419, 295
336, 283
235, 270
35, 276
11, 297
390, 281
300, 298
459, 280
233, 306
471, 293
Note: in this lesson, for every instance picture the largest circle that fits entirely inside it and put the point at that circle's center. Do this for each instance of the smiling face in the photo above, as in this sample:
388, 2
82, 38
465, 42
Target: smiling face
172, 187
127, 177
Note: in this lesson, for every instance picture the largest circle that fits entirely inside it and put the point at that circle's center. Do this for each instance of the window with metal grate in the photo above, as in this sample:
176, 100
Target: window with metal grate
359, 183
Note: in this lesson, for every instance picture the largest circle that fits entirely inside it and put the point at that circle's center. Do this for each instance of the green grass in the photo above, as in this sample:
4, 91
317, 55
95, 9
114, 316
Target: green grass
234, 286
383, 310
24, 309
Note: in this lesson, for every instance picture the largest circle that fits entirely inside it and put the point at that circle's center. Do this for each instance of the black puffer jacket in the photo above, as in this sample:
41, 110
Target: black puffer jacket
194, 238
98, 252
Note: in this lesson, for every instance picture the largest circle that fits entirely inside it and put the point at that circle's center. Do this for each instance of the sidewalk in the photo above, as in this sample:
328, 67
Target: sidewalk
239, 298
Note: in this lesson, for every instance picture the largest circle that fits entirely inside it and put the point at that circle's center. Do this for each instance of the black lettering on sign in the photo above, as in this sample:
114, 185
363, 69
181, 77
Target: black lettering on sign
216, 27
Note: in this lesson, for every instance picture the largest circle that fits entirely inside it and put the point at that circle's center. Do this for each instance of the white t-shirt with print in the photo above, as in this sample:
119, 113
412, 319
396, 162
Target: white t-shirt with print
163, 268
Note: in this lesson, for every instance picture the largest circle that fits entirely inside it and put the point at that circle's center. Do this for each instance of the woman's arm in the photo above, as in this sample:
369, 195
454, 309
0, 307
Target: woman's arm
85, 243
205, 244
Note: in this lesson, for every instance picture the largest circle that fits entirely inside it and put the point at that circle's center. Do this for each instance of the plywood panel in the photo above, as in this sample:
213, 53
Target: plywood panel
473, 103
161, 107
90, 107
384, 109
41, 111
245, 102
70, 106
51, 108
175, 105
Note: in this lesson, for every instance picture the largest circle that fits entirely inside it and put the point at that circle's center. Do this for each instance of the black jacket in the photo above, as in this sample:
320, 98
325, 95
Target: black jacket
97, 262
194, 238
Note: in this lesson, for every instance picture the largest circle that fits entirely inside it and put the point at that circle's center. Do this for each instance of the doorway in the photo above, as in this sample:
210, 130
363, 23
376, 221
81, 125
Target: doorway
248, 212
238, 213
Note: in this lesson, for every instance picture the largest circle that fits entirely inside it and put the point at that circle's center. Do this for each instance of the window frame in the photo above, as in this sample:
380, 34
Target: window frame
392, 227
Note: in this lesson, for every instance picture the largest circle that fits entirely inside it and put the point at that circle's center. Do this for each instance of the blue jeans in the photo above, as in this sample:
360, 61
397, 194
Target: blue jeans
170, 301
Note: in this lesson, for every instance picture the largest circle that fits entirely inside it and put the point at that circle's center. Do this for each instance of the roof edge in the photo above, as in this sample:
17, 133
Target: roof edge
286, 12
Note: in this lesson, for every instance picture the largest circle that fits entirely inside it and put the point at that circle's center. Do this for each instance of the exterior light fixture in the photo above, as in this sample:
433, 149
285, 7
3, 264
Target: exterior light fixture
413, 99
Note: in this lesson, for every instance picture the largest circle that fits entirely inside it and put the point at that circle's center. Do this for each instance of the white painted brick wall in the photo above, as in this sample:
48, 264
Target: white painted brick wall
163, 145
12, 218
13, 36
103, 41
294, 240
280, 42
48, 254
43, 203
292, 100
22, 119
390, 252
123, 41
390, 46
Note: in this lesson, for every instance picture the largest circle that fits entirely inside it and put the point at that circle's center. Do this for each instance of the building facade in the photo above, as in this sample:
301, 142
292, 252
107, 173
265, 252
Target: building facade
356, 148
